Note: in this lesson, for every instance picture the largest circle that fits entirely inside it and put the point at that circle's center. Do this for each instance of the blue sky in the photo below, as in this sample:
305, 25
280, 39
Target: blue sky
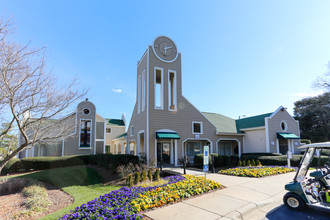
238, 57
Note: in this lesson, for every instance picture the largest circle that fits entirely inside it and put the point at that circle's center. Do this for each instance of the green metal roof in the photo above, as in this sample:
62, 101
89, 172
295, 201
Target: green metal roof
117, 122
221, 122
167, 135
251, 122
122, 135
287, 136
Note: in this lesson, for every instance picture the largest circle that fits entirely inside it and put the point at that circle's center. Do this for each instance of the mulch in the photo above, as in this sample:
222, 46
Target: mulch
13, 204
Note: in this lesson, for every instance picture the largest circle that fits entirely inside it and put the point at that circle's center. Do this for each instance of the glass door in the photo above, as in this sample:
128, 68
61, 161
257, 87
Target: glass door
163, 152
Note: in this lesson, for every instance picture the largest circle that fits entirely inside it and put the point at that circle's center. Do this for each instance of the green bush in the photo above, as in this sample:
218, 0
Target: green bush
150, 175
244, 163
157, 175
136, 178
11, 167
258, 163
219, 160
253, 163
239, 163
261, 154
129, 180
107, 161
143, 176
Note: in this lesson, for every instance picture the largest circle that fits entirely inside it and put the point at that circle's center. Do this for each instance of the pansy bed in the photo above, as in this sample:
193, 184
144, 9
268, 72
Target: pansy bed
256, 171
128, 203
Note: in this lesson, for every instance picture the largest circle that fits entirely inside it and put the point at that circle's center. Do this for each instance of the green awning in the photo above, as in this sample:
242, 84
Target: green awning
287, 136
167, 135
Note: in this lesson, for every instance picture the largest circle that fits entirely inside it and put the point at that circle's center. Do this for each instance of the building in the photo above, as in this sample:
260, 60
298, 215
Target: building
164, 124
90, 133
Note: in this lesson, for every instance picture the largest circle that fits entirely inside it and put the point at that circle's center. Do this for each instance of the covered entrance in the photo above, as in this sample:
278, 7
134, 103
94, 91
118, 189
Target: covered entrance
166, 142
285, 142
229, 147
194, 147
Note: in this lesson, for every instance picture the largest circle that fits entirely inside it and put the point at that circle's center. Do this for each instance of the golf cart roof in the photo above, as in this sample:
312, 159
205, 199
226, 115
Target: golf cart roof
318, 145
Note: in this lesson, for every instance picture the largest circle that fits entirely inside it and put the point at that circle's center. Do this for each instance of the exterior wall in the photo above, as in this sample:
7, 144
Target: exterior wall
229, 137
274, 126
115, 132
71, 144
254, 141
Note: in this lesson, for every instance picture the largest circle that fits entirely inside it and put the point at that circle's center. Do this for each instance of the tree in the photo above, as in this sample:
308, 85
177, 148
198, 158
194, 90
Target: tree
8, 142
323, 82
314, 117
30, 101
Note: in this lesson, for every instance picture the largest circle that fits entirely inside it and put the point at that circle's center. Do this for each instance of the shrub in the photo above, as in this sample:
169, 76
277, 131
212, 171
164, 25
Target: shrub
136, 178
239, 163
11, 167
8, 186
258, 163
219, 160
244, 163
124, 170
150, 175
253, 163
157, 175
129, 180
248, 163
144, 176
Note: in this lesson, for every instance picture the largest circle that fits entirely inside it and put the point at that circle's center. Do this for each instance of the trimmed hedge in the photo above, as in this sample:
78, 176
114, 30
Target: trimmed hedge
107, 161
282, 160
219, 160
262, 154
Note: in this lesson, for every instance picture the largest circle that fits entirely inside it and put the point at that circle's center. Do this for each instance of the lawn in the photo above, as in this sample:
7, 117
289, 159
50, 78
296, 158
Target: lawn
82, 183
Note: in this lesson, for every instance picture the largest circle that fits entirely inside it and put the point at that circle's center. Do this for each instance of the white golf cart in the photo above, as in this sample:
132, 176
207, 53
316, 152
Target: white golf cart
310, 188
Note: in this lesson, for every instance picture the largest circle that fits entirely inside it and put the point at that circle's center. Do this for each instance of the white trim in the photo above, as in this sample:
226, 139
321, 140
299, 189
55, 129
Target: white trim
230, 139
139, 81
229, 133
285, 126
62, 147
90, 135
171, 152
177, 52
267, 135
99, 139
161, 88
192, 127
138, 147
176, 152
274, 113
277, 145
254, 128
174, 91
155, 152
143, 91
84, 112
147, 107
194, 139
94, 135
142, 57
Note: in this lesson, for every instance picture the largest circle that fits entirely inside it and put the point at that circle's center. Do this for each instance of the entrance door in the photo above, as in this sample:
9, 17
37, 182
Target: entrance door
163, 151
283, 146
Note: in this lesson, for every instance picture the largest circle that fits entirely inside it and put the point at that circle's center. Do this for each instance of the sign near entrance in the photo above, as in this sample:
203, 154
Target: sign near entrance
205, 168
206, 155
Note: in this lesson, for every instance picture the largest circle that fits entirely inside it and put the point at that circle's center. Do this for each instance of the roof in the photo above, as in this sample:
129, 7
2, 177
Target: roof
117, 122
120, 136
252, 122
221, 122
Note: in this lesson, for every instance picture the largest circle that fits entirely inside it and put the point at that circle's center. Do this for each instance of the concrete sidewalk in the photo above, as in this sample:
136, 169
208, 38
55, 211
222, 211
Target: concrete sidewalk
244, 198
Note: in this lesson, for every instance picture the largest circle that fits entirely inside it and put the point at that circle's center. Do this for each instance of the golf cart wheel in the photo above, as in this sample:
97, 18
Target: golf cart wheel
293, 201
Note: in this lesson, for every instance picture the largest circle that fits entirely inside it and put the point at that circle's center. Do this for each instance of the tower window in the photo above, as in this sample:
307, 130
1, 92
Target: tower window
159, 88
143, 90
197, 127
85, 133
172, 96
139, 94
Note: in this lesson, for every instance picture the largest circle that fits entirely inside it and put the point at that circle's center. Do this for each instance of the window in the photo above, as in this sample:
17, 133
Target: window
226, 148
139, 94
197, 127
108, 130
107, 149
159, 88
86, 111
172, 90
85, 133
143, 90
284, 126
131, 130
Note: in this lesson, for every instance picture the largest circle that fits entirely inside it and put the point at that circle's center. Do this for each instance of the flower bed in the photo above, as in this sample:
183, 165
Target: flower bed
126, 203
171, 193
256, 171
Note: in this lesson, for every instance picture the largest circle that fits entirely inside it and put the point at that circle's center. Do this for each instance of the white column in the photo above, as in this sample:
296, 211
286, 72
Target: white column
176, 152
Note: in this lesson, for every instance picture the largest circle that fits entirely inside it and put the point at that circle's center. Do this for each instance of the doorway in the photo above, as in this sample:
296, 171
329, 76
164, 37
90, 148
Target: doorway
164, 152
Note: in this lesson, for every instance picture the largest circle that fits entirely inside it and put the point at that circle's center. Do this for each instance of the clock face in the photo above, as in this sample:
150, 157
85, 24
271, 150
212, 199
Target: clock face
165, 49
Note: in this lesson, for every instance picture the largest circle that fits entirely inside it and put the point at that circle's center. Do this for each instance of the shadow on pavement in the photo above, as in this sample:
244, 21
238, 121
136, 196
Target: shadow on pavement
308, 213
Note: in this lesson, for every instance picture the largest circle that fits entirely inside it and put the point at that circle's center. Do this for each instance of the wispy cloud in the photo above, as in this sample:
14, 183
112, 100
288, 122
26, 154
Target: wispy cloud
117, 90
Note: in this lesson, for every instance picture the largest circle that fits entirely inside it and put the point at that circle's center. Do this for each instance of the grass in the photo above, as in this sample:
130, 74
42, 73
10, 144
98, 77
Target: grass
82, 183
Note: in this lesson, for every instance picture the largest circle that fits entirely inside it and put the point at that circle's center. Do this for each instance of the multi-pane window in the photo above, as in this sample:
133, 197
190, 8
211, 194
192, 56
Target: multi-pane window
108, 130
172, 90
158, 89
85, 133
